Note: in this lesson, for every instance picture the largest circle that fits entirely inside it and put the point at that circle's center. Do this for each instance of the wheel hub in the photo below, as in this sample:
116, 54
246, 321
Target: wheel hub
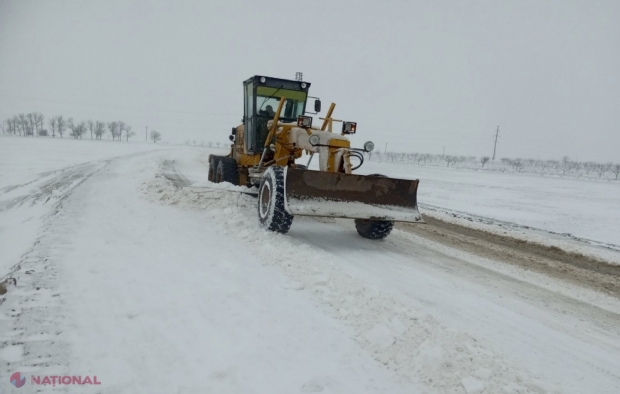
265, 198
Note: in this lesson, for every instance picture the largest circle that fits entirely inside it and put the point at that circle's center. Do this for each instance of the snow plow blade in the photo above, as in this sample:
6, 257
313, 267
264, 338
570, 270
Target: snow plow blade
318, 193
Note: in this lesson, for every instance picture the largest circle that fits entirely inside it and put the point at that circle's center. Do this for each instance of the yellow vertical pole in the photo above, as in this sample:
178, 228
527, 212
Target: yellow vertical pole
328, 117
276, 118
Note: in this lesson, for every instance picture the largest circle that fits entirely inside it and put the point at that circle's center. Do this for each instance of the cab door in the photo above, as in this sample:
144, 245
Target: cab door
249, 134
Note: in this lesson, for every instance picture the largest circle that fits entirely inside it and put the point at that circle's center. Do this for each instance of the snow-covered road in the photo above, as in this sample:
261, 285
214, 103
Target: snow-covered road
154, 288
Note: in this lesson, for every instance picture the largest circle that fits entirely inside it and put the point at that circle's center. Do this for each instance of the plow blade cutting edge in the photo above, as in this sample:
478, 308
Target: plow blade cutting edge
317, 193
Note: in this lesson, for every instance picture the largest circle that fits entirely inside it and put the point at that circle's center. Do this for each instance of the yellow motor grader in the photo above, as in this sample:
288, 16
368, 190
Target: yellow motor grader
276, 131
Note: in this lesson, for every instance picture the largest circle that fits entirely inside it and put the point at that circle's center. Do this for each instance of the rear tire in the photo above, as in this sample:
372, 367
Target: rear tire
271, 213
374, 229
227, 171
213, 162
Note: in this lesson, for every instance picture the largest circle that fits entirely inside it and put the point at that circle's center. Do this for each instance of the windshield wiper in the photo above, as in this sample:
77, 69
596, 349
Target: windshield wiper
265, 100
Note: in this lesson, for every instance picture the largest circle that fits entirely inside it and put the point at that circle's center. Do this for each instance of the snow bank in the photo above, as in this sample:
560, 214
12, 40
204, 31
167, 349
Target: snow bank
410, 342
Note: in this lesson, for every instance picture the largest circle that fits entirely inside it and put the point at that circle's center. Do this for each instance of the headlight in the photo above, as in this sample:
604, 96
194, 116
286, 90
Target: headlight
369, 146
262, 79
349, 127
314, 140
303, 85
304, 121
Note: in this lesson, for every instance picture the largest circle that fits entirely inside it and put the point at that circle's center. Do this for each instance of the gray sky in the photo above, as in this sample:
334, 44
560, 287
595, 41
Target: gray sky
417, 75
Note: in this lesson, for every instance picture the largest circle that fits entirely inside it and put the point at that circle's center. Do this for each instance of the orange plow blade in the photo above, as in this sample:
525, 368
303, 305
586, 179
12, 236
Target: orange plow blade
317, 193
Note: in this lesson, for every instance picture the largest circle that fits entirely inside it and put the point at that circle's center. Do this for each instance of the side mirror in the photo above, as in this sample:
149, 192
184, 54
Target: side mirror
317, 105
231, 137
234, 131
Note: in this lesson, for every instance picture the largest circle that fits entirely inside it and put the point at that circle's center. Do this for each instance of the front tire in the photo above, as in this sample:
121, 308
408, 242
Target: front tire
271, 213
373, 229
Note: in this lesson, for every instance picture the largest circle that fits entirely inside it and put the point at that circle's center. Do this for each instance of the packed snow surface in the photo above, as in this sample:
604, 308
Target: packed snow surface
125, 274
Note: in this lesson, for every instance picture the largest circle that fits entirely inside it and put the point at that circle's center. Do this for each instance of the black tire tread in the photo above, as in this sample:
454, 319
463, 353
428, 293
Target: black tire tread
282, 220
227, 171
373, 229
213, 162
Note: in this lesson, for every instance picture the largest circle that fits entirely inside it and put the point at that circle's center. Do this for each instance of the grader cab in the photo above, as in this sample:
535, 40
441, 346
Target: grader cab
276, 132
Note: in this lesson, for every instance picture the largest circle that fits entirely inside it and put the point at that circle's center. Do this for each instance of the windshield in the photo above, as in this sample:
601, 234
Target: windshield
267, 100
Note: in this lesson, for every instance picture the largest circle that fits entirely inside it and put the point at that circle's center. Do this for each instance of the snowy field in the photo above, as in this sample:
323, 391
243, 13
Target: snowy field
156, 289
25, 159
588, 209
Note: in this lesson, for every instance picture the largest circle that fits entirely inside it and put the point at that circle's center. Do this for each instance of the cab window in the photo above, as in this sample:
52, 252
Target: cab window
268, 99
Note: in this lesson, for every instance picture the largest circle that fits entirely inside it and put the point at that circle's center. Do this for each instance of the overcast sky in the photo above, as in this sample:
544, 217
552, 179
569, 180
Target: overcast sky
417, 75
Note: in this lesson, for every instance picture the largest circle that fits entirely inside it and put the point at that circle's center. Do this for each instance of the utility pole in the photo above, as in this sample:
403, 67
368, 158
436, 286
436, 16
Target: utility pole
385, 150
444, 152
495, 147
146, 134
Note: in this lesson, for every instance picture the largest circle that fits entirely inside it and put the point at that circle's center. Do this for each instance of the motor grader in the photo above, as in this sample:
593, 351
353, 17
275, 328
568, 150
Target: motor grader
276, 132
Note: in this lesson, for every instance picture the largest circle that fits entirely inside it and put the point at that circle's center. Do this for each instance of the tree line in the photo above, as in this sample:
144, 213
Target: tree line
209, 144
564, 167
32, 124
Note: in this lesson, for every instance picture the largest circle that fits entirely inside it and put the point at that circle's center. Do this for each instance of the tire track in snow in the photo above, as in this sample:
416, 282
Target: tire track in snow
32, 315
56, 186
404, 339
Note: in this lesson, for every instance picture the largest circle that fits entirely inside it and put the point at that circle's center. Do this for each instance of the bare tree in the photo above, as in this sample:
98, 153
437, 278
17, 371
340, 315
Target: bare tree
422, 159
128, 132
61, 125
77, 129
601, 169
121, 127
155, 136
52, 123
112, 128
99, 129
518, 165
71, 126
615, 169
568, 165
484, 160
11, 126
82, 128
18, 124
91, 127
15, 125
38, 123
449, 159
32, 123
27, 125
